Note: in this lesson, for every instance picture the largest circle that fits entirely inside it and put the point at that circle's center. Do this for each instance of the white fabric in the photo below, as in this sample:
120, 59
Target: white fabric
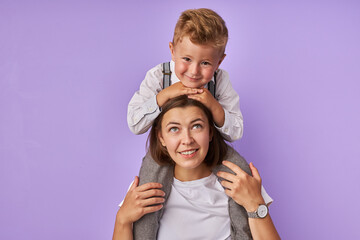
197, 210
143, 108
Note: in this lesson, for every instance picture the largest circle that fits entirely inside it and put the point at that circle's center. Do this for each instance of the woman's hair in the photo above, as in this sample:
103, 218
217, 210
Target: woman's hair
217, 146
203, 26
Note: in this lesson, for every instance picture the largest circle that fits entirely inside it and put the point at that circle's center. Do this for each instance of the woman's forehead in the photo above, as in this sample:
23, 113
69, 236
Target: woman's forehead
184, 115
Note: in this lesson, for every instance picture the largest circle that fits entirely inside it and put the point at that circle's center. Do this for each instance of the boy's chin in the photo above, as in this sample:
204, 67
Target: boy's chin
192, 85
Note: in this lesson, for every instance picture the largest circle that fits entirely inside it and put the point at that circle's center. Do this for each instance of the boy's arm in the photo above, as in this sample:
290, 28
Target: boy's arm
145, 104
225, 108
232, 129
143, 108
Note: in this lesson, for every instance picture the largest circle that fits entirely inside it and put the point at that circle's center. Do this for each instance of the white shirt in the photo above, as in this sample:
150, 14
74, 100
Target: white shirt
143, 108
197, 210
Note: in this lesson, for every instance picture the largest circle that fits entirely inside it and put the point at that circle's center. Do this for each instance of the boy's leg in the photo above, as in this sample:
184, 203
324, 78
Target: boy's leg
150, 171
240, 228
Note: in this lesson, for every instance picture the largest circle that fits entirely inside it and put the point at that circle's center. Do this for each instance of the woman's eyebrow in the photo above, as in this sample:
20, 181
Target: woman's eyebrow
198, 119
175, 123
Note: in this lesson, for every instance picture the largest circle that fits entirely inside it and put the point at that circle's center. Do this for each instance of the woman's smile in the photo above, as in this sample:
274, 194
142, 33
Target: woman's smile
189, 153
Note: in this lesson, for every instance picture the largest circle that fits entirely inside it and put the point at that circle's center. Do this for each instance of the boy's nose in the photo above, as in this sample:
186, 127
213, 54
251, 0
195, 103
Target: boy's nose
194, 69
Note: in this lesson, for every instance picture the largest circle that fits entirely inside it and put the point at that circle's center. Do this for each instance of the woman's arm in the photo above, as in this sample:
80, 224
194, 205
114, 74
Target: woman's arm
138, 202
245, 190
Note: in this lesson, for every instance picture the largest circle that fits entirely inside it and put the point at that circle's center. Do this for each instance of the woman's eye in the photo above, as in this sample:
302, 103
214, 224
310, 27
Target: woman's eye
173, 129
197, 126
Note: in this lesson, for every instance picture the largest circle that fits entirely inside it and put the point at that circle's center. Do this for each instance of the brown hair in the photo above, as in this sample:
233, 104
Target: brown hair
217, 146
203, 26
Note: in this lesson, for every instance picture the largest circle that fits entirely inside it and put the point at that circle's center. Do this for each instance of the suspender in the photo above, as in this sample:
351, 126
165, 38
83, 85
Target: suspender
166, 75
167, 79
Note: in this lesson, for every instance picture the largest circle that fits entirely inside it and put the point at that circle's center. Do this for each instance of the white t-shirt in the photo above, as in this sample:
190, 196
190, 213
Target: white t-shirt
197, 210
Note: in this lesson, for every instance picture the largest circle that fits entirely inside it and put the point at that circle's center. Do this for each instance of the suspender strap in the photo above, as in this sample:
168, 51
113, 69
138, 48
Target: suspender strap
212, 86
166, 75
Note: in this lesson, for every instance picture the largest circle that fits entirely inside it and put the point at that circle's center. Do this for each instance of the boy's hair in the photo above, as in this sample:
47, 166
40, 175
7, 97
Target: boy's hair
203, 26
217, 146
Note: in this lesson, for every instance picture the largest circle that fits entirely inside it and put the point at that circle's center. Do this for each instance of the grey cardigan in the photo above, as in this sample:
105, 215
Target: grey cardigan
146, 228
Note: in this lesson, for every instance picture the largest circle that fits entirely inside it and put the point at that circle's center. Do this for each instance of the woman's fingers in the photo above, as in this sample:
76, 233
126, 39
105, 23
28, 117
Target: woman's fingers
255, 172
134, 184
152, 193
152, 201
235, 168
152, 209
226, 184
227, 176
148, 186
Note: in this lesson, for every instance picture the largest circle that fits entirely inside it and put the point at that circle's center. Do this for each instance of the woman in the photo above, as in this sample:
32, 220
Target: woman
184, 135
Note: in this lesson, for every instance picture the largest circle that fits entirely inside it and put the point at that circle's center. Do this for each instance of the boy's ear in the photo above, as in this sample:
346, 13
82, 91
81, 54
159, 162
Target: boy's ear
161, 139
171, 46
221, 59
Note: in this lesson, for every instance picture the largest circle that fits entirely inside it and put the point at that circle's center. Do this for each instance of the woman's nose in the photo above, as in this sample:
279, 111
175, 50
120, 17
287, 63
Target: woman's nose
187, 138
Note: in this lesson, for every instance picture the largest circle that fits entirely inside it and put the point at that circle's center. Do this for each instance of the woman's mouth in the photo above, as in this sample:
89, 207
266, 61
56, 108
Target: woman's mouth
189, 153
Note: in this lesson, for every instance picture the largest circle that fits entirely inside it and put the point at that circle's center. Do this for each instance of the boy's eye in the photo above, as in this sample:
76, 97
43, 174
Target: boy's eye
186, 59
206, 63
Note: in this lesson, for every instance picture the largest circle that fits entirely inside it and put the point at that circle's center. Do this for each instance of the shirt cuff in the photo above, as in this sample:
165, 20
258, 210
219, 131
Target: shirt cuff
149, 107
268, 200
225, 129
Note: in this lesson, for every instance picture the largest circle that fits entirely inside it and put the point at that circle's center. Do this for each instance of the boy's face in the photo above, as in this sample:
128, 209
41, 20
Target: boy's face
195, 64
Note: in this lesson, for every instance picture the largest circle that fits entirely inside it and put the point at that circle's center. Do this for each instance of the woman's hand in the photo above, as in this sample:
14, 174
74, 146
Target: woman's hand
244, 189
139, 200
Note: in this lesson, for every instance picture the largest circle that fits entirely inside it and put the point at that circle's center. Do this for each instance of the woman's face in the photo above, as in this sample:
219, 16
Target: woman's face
185, 132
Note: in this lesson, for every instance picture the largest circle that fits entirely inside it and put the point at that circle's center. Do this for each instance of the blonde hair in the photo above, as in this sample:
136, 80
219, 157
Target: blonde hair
202, 26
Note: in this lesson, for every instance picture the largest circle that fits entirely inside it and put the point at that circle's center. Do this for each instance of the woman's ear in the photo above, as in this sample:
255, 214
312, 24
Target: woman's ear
161, 139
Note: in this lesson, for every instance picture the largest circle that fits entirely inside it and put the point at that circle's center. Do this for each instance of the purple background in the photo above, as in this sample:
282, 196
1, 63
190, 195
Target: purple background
68, 71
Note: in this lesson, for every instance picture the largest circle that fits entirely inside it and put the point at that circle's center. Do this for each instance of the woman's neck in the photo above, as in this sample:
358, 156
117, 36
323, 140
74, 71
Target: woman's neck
185, 175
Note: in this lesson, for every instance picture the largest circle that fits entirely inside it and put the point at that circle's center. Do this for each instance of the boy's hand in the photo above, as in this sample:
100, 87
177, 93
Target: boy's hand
206, 98
175, 90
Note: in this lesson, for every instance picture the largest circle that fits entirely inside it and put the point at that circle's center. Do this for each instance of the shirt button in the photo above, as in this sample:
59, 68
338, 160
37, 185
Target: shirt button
226, 130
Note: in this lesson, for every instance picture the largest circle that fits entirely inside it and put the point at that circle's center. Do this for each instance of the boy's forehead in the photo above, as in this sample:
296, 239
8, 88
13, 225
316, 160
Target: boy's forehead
185, 42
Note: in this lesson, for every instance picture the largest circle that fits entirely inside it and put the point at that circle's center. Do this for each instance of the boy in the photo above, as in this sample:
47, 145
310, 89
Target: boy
197, 51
